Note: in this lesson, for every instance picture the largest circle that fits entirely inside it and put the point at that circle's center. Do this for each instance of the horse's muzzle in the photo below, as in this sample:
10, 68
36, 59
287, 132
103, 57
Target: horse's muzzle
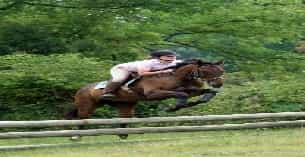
216, 83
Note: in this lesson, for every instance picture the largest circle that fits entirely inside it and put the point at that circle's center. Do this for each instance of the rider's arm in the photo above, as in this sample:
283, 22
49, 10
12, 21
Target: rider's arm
145, 72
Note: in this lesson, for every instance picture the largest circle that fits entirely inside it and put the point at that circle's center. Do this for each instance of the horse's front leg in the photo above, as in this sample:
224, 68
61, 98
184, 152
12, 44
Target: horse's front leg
206, 96
164, 94
181, 97
195, 91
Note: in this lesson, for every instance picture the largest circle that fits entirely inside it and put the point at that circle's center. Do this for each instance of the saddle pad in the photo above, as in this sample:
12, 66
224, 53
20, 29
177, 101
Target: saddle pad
101, 85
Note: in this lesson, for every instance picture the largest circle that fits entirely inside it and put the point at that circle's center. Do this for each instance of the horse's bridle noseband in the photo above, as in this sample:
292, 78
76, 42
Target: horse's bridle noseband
214, 78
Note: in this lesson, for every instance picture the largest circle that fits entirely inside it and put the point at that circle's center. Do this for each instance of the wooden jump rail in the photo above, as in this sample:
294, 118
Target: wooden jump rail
60, 123
116, 131
141, 130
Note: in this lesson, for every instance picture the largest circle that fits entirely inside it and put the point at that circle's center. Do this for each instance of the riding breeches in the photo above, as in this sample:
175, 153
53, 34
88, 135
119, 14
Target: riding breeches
119, 74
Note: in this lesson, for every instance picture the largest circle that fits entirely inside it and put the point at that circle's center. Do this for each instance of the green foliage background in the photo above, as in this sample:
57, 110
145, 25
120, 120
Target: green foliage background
49, 49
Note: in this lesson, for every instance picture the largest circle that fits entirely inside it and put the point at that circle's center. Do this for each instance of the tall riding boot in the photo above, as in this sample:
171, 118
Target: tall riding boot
110, 89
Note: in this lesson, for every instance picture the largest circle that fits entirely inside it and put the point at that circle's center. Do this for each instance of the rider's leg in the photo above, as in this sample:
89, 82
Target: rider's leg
118, 76
110, 89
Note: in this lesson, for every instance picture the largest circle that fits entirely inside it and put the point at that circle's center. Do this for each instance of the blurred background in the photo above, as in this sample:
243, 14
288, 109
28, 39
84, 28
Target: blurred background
51, 48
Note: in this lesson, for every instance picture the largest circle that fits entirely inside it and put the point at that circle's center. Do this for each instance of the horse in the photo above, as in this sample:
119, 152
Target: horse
184, 82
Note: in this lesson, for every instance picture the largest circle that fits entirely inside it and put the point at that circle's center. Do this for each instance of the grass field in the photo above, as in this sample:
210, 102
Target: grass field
247, 143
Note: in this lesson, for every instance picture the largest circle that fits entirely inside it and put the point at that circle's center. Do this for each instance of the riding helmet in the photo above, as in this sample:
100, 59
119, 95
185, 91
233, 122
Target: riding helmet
165, 52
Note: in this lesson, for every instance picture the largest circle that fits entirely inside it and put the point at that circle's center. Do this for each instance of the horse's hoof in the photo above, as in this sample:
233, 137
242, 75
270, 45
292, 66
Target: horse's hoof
172, 109
75, 138
207, 97
123, 136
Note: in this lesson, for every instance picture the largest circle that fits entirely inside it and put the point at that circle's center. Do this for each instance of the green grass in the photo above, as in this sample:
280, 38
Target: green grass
248, 143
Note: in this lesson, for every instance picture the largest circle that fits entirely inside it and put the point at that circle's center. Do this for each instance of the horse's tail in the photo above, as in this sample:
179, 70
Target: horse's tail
71, 114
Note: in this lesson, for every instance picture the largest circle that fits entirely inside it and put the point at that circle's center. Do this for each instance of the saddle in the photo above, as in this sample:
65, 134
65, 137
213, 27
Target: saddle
132, 79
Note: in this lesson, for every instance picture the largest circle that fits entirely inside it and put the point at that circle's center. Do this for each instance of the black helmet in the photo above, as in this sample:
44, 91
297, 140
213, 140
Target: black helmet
165, 52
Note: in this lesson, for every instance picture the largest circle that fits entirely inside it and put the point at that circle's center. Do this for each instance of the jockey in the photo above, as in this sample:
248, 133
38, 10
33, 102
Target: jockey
159, 60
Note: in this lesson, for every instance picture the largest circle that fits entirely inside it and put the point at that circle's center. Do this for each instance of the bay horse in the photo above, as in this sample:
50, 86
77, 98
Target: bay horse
184, 82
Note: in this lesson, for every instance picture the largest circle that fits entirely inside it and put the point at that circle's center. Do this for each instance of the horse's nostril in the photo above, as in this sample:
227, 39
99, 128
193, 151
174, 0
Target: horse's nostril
216, 85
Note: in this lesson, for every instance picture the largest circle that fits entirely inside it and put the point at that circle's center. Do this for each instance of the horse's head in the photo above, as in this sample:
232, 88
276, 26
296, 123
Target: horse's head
212, 73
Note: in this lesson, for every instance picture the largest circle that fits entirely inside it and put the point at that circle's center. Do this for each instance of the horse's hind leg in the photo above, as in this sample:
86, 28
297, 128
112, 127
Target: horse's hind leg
125, 111
85, 107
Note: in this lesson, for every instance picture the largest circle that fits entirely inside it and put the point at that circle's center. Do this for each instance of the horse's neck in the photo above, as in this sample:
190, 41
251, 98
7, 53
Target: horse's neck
173, 80
179, 75
169, 81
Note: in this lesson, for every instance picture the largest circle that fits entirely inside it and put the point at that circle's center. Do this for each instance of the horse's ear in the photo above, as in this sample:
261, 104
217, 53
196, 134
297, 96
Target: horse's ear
193, 61
221, 62
199, 62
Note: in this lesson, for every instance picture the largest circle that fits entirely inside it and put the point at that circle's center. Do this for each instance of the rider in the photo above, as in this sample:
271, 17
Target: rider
159, 60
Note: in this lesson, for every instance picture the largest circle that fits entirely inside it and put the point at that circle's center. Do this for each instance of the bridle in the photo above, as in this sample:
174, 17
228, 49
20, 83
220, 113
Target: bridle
214, 78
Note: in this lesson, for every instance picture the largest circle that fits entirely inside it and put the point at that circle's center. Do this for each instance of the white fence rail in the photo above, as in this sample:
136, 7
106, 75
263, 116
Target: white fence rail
117, 131
60, 123
141, 130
